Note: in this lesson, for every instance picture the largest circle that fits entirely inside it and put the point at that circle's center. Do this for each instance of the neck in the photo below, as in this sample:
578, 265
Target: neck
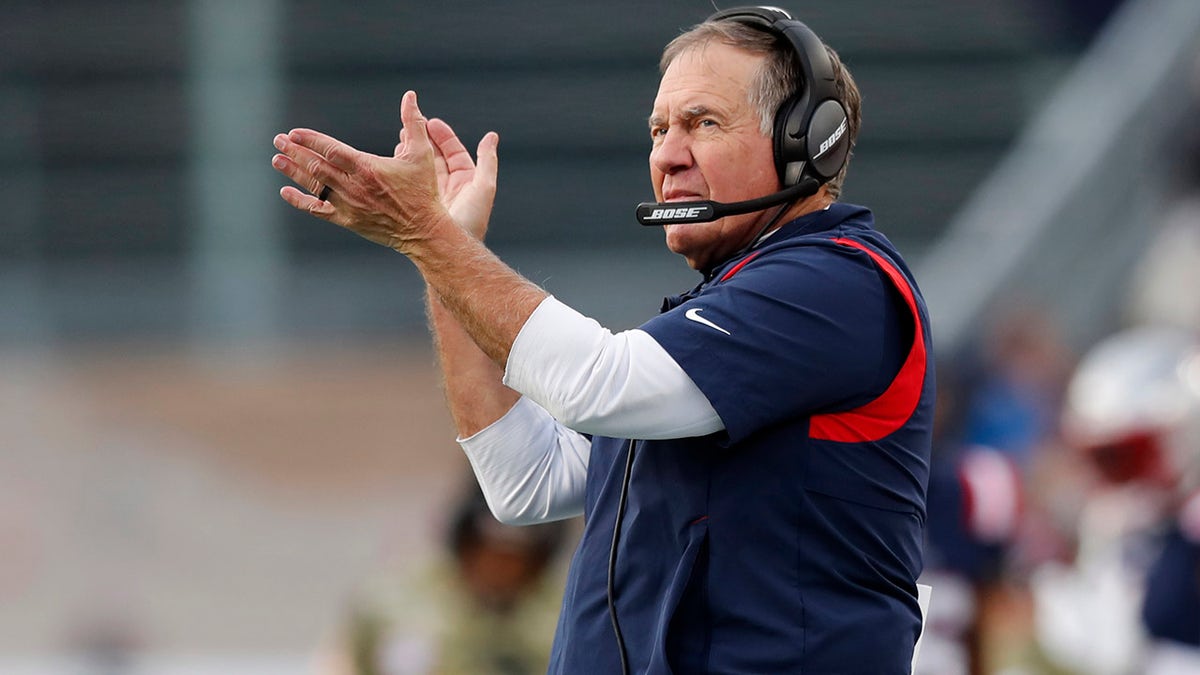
819, 201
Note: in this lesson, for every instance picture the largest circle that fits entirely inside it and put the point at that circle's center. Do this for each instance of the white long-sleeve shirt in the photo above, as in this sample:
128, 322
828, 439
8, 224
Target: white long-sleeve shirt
577, 378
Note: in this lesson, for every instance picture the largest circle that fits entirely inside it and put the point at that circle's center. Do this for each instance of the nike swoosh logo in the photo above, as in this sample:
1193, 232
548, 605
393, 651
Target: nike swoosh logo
694, 315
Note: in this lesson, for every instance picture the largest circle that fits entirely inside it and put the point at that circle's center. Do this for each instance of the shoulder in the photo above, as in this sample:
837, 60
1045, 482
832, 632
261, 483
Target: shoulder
844, 239
815, 268
841, 230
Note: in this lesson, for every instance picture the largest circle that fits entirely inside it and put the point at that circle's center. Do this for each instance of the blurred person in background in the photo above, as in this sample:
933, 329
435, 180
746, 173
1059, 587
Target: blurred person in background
995, 435
1129, 601
1013, 386
488, 606
753, 460
1135, 403
975, 500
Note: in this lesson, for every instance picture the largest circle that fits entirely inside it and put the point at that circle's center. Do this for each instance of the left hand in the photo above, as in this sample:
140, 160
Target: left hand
393, 201
467, 189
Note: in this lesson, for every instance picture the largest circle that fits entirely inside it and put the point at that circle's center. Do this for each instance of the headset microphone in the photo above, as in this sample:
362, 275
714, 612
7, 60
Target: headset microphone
673, 213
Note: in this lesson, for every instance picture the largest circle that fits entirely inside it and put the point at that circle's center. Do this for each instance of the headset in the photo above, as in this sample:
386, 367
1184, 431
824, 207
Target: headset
811, 132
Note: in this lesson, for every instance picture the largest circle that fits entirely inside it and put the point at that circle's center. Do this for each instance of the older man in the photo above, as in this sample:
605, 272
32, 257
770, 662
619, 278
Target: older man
752, 461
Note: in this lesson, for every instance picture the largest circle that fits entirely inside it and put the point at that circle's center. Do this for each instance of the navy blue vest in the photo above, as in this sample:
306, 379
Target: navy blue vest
791, 541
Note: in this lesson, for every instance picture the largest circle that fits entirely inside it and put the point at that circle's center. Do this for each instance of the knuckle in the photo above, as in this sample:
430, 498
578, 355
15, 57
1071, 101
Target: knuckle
313, 167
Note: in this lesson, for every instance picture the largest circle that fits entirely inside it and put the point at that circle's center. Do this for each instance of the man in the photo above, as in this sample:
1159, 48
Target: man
768, 516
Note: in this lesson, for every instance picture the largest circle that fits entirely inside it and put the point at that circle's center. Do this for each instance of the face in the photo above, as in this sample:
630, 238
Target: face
707, 145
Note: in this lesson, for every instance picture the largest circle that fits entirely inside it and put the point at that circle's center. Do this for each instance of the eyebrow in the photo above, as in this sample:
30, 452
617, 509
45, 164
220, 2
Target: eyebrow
689, 113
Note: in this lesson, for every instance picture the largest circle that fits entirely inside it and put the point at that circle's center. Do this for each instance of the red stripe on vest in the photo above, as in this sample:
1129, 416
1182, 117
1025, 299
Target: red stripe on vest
738, 267
887, 413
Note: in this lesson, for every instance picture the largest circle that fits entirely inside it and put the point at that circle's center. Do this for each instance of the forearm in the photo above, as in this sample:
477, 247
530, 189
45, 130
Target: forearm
591, 380
489, 301
531, 468
472, 382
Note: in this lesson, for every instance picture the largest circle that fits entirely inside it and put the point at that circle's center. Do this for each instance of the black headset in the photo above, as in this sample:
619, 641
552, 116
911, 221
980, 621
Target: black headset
811, 135
812, 130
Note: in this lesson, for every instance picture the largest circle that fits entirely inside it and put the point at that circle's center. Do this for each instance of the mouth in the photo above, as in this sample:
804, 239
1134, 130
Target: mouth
681, 196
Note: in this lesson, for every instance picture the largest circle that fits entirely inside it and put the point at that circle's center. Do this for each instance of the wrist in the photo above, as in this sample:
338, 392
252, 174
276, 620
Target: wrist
431, 228
440, 249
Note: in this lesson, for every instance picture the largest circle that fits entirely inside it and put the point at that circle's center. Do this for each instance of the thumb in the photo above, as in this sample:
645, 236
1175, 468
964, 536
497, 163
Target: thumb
415, 136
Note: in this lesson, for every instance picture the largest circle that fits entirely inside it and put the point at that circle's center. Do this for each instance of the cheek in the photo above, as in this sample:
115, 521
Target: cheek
731, 170
656, 181
763, 173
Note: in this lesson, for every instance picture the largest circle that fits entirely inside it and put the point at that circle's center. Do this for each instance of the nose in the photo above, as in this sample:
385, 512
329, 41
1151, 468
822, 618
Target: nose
673, 153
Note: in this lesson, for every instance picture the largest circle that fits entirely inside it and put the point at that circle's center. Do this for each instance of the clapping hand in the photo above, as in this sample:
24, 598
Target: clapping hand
394, 201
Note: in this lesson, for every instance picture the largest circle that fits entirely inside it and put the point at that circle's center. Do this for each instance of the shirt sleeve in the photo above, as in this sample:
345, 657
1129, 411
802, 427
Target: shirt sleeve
530, 468
622, 385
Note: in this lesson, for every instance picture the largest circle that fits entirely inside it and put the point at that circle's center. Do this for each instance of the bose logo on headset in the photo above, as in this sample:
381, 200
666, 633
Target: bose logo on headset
828, 142
671, 214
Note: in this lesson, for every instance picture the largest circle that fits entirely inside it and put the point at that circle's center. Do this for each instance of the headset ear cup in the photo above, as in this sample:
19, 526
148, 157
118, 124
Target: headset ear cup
791, 155
811, 134
828, 140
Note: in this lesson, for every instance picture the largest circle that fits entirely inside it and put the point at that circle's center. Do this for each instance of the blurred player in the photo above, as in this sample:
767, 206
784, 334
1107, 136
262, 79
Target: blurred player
1130, 602
974, 505
488, 608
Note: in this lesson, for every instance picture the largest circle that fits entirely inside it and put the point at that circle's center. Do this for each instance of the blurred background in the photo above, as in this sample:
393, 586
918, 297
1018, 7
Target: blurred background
219, 418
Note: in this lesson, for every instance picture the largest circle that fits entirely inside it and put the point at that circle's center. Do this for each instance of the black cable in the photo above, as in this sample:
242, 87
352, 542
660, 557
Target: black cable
612, 551
612, 561
763, 230
754, 241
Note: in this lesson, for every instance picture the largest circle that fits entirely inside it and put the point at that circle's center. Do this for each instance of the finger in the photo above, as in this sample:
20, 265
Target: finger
336, 152
488, 155
447, 144
302, 201
415, 135
439, 167
307, 169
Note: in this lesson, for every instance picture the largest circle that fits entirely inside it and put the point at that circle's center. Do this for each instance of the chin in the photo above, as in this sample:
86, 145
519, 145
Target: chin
682, 240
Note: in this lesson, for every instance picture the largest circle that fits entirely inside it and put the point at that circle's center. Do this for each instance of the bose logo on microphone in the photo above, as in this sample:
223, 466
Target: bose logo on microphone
833, 138
670, 214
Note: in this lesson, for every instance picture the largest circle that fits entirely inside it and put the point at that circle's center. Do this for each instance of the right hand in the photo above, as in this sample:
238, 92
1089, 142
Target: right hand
467, 188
